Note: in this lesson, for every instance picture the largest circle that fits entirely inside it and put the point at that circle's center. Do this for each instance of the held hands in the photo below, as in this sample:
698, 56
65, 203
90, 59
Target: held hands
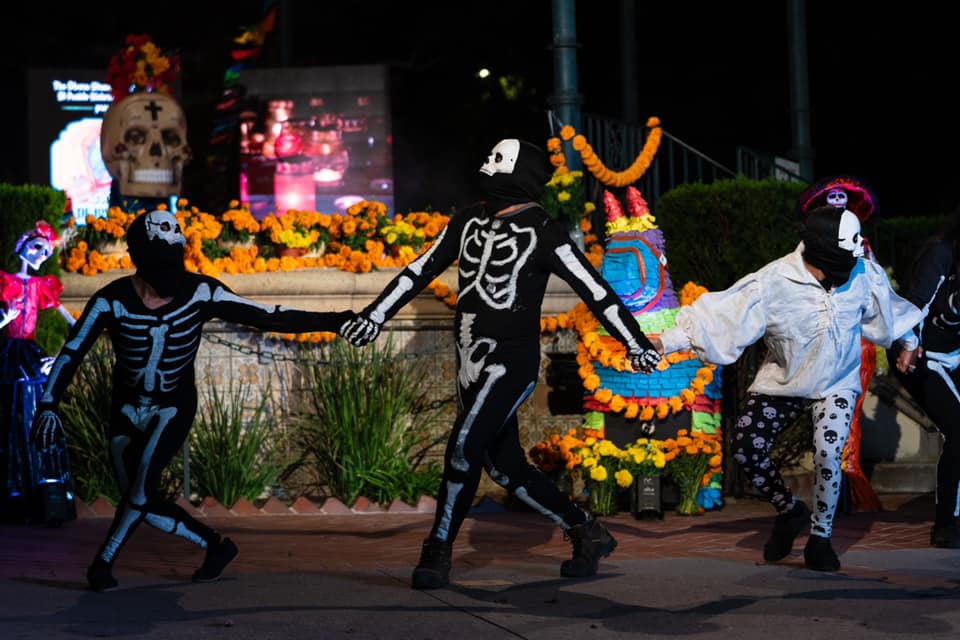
47, 429
907, 360
645, 360
360, 330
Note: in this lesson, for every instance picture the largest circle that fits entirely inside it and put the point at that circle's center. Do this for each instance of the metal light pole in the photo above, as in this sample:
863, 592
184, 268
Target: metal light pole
799, 87
566, 99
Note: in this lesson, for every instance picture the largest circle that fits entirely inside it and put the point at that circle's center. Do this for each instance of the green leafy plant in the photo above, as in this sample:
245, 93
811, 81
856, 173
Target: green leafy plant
368, 428
234, 445
85, 409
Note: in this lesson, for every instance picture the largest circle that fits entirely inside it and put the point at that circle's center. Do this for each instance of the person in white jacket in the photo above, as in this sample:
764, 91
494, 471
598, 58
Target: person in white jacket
810, 308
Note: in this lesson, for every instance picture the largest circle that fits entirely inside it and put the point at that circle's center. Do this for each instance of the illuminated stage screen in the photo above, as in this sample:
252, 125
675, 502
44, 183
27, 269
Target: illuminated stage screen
66, 107
315, 139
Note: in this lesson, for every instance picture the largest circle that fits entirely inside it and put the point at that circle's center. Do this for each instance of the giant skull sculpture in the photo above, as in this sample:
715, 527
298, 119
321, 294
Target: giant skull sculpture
144, 145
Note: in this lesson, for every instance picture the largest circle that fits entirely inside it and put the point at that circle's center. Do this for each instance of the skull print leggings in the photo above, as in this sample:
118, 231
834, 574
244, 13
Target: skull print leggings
764, 417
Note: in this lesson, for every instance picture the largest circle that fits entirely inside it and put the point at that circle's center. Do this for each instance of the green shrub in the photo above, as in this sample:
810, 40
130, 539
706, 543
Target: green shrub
720, 232
234, 445
368, 428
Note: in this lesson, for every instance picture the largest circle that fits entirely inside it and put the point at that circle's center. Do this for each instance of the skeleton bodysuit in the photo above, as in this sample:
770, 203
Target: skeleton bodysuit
504, 264
935, 383
154, 390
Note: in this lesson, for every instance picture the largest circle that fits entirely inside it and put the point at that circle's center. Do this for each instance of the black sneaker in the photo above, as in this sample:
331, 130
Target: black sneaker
433, 570
591, 541
786, 528
218, 556
819, 554
945, 537
99, 577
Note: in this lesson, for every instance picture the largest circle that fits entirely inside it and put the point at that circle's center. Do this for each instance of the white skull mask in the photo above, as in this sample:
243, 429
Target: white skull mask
164, 225
849, 232
502, 158
143, 142
837, 198
35, 251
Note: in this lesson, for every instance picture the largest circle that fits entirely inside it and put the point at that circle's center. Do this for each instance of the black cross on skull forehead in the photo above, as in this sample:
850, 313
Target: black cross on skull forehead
153, 108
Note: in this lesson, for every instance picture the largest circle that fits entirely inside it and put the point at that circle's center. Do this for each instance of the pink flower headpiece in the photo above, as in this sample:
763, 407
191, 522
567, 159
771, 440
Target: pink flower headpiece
42, 230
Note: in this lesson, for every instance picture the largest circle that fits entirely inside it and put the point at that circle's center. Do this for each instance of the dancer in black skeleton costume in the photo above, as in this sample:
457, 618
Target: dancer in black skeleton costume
507, 248
932, 373
155, 319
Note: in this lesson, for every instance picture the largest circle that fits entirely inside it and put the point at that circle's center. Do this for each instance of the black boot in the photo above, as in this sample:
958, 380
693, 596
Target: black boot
433, 570
786, 528
945, 536
819, 554
591, 541
219, 555
99, 576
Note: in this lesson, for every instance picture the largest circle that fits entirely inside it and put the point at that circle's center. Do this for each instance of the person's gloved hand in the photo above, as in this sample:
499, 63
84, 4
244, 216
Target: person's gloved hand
644, 360
47, 429
360, 330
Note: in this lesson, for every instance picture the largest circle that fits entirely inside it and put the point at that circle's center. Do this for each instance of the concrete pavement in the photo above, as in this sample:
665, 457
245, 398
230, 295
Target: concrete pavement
322, 576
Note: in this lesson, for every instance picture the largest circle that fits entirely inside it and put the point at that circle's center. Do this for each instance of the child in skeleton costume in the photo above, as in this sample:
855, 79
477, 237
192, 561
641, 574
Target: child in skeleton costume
810, 307
932, 373
23, 372
154, 320
507, 248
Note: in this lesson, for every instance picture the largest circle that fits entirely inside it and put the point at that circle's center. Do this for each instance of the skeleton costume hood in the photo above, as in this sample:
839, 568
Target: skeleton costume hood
515, 172
832, 243
156, 244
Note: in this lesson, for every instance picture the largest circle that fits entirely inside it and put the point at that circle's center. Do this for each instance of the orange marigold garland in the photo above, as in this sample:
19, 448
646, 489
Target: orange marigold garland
595, 166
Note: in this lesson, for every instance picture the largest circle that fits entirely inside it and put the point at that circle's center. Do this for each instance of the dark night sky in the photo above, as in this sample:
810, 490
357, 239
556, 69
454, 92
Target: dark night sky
715, 74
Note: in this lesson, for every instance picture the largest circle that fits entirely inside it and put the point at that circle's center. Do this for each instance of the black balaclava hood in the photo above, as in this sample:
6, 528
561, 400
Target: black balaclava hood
503, 186
821, 246
158, 262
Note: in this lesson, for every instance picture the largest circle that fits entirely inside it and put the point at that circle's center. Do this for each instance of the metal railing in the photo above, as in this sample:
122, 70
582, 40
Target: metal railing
618, 144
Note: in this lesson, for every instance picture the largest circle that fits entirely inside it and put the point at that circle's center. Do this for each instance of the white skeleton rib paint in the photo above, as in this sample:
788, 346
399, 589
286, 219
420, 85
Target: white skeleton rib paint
379, 315
565, 253
491, 261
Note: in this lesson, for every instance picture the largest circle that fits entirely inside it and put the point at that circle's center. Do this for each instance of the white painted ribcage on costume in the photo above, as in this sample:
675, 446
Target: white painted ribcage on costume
155, 352
491, 260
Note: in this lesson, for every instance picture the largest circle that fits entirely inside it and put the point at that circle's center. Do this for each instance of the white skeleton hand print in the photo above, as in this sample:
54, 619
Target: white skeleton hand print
493, 254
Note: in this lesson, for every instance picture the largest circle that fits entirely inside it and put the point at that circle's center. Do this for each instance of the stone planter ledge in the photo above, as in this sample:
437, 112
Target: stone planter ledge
321, 290
101, 508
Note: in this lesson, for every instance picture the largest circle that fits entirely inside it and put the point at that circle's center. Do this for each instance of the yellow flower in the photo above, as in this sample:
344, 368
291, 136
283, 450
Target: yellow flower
624, 478
598, 473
